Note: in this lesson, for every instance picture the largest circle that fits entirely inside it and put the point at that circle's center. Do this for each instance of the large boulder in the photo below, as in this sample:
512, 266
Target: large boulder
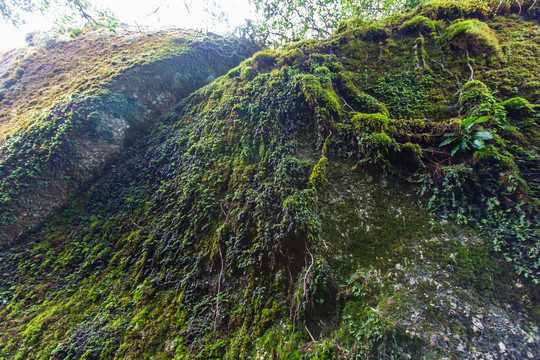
68, 108
373, 195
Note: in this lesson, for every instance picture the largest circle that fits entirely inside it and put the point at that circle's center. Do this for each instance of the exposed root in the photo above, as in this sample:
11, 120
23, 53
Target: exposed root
349, 106
219, 288
416, 59
497, 9
471, 78
311, 336
308, 270
472, 72
530, 7
458, 83
221, 270
138, 226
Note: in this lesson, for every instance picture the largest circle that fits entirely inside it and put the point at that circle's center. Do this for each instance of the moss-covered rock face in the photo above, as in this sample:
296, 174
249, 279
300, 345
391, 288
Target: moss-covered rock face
302, 207
68, 108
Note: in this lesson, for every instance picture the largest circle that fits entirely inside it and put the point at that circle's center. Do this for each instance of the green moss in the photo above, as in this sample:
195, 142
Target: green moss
371, 122
451, 10
413, 148
419, 24
375, 33
512, 133
264, 60
519, 110
532, 91
359, 101
473, 36
315, 93
318, 175
490, 156
247, 73
293, 57
383, 141
474, 94
234, 72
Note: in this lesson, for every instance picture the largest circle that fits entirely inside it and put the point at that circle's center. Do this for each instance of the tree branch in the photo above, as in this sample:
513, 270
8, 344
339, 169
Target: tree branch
83, 12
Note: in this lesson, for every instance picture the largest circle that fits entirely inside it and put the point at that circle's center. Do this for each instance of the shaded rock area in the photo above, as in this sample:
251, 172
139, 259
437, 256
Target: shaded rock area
440, 287
373, 195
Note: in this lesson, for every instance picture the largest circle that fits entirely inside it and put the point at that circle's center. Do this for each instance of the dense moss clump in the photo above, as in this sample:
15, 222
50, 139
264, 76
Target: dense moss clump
374, 122
473, 35
519, 109
307, 204
419, 24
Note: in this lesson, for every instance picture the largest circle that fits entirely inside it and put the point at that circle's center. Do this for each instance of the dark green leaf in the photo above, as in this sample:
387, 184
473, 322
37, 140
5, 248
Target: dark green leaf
468, 122
446, 142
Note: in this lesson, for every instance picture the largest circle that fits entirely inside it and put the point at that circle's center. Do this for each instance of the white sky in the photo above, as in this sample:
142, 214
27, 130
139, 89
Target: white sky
141, 12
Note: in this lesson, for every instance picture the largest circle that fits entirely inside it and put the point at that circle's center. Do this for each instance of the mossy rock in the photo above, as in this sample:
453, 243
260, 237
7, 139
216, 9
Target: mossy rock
282, 204
373, 122
247, 73
78, 125
490, 156
321, 94
473, 94
293, 57
419, 24
452, 10
318, 175
473, 36
358, 100
264, 60
532, 91
375, 34
383, 140
518, 108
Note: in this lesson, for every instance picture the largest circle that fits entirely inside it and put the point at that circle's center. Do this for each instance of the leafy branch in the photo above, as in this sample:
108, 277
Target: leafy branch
72, 12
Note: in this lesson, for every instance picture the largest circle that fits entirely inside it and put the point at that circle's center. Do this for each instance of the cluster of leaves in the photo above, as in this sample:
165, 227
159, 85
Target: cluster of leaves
490, 194
464, 194
403, 94
468, 136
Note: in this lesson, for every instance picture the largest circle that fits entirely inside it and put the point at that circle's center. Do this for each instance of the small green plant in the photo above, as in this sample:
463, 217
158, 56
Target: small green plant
468, 135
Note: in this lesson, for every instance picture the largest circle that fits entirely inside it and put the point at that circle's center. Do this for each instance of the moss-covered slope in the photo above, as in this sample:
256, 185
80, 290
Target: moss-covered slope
67, 108
302, 206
